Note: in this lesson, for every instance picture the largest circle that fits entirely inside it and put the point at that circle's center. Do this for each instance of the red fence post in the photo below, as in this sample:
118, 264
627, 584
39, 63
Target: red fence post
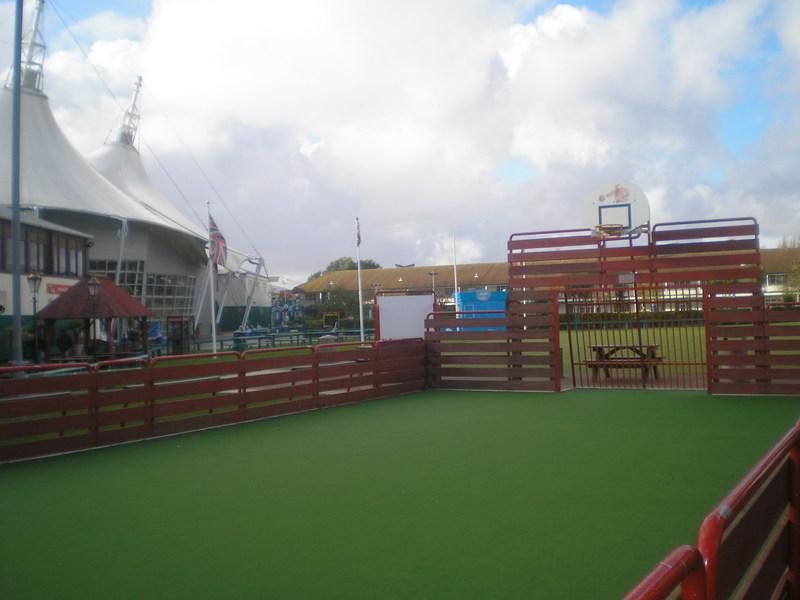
793, 574
556, 343
707, 326
93, 407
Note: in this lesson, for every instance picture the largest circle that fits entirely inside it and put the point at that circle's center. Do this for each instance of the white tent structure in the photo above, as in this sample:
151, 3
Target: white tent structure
139, 238
120, 162
158, 245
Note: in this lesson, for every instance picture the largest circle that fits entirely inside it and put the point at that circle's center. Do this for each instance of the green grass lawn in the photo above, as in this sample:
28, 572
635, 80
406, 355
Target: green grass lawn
431, 495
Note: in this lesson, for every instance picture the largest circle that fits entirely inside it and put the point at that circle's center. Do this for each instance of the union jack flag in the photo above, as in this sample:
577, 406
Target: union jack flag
219, 249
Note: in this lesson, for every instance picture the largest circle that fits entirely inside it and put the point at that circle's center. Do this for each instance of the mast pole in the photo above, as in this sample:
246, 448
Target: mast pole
16, 233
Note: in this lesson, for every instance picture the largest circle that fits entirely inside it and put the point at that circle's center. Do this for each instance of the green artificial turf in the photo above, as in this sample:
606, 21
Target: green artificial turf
431, 495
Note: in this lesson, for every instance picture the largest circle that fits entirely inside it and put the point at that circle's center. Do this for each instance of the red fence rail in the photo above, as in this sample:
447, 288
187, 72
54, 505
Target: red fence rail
749, 544
54, 409
679, 575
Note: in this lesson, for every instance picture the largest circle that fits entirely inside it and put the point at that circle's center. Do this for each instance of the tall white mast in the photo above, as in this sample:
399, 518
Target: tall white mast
130, 119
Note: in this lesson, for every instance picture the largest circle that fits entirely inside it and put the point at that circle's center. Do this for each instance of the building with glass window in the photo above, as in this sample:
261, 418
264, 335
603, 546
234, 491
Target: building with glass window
140, 240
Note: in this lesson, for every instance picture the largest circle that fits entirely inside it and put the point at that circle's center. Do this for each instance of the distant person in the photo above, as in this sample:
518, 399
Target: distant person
64, 343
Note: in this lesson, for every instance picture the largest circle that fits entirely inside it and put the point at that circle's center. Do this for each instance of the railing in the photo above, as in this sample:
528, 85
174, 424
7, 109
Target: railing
749, 544
236, 343
679, 575
61, 408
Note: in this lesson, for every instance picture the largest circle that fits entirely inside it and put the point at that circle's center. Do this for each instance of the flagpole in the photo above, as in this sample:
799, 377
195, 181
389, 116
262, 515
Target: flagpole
360, 292
211, 283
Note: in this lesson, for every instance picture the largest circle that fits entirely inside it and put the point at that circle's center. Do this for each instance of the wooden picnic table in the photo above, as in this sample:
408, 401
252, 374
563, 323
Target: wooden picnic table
625, 356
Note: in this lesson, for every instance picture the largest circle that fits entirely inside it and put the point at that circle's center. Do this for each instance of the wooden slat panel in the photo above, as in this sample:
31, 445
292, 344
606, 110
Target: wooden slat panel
161, 372
346, 383
277, 393
126, 434
739, 246
556, 282
279, 378
122, 377
43, 405
277, 362
776, 316
544, 359
45, 447
466, 384
754, 373
283, 408
336, 356
345, 369
756, 359
43, 426
468, 323
772, 573
708, 274
736, 302
735, 316
127, 395
196, 404
45, 385
122, 415
553, 242
195, 423
502, 372
207, 385
489, 347
706, 260
347, 398
664, 235
741, 544
755, 388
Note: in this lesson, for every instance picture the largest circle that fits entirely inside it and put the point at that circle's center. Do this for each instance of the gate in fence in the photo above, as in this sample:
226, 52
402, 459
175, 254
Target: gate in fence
635, 337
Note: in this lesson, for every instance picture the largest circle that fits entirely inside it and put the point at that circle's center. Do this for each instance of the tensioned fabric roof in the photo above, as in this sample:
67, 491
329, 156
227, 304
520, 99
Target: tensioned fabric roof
112, 301
53, 173
122, 165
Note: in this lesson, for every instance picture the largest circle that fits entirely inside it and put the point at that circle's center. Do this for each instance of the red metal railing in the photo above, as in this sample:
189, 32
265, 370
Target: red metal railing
749, 544
680, 571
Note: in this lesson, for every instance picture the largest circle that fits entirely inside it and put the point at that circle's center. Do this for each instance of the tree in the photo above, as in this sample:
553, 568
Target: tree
345, 263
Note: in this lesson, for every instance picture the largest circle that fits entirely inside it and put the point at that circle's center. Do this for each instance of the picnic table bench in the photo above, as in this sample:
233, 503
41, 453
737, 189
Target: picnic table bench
625, 356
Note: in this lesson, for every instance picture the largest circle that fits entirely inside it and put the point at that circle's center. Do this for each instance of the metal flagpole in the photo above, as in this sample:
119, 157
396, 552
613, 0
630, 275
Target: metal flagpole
211, 281
360, 293
16, 234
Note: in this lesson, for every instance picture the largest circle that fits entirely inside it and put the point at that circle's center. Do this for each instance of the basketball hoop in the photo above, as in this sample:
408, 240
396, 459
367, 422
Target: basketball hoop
607, 230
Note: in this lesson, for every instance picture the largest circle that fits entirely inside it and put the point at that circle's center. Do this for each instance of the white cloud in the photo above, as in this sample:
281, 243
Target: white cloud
306, 114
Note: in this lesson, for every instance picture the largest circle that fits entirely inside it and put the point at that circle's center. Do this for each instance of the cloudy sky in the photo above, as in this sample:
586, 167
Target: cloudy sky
433, 119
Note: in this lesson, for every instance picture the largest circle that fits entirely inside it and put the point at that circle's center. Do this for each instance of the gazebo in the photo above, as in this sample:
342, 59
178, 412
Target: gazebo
95, 299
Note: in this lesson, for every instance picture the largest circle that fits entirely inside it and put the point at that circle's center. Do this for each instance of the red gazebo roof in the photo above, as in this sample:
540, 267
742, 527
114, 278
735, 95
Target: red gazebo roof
112, 301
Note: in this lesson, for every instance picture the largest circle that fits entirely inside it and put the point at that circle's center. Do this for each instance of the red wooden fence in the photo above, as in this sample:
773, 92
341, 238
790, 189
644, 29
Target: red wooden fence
53, 409
517, 350
749, 544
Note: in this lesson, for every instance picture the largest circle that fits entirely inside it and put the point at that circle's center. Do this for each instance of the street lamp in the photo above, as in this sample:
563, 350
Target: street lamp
34, 281
94, 288
433, 275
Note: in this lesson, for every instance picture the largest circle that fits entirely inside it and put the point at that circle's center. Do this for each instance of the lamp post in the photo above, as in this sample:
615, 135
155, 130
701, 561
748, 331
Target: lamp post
34, 281
94, 288
433, 275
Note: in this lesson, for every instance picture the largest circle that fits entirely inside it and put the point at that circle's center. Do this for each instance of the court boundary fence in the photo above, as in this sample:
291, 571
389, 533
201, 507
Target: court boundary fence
71, 407
748, 546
